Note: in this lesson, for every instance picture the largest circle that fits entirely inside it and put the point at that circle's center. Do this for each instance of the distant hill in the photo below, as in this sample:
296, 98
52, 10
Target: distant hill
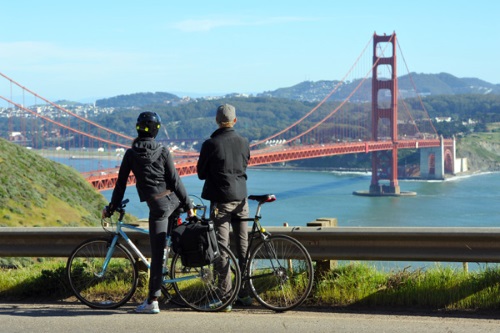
426, 84
138, 100
36, 191
314, 91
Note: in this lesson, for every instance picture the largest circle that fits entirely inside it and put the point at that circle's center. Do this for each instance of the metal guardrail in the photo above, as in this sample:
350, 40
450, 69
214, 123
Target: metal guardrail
323, 243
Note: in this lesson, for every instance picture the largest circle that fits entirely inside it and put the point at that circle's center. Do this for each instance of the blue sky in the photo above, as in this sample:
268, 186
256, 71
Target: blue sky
84, 50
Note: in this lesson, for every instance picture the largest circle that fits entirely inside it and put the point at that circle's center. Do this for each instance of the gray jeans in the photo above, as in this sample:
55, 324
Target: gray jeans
222, 215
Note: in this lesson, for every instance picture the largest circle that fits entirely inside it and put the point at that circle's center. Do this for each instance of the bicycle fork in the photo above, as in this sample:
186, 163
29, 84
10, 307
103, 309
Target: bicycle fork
109, 254
111, 250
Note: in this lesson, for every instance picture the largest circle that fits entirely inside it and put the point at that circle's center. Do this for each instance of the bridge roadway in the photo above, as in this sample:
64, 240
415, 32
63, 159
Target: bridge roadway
106, 179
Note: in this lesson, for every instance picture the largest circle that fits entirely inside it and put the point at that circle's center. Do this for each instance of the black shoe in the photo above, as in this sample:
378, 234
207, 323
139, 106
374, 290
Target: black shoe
246, 301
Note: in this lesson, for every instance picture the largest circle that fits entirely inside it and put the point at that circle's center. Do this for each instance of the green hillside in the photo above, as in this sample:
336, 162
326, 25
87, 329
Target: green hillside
35, 191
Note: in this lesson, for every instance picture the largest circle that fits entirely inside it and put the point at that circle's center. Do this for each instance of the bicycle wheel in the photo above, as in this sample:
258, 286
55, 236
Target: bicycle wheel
100, 289
280, 273
203, 288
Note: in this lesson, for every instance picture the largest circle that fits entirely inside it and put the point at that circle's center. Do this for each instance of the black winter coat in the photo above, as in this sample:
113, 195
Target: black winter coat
154, 170
222, 164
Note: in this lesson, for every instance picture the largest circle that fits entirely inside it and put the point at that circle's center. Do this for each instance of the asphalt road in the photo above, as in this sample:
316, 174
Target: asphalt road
75, 317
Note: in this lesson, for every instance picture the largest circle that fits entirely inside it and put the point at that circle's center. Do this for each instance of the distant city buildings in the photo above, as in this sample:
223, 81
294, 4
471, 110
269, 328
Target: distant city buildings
442, 119
51, 111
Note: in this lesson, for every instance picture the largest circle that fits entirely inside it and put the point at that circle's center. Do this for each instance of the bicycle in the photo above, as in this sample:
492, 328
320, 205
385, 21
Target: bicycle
279, 270
104, 273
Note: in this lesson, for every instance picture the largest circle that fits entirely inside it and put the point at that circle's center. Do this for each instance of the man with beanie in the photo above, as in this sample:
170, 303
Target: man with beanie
222, 164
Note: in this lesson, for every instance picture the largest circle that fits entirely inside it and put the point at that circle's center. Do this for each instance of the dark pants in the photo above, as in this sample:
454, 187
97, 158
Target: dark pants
160, 210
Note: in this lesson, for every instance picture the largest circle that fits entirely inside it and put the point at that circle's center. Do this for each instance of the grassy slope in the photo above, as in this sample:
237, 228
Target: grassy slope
35, 191
482, 151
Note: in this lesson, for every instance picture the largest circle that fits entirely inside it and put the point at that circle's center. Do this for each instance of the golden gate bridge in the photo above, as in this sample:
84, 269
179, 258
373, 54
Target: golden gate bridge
373, 117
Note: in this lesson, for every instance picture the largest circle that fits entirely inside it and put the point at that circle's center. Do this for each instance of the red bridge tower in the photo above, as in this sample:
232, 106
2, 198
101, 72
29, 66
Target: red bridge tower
385, 163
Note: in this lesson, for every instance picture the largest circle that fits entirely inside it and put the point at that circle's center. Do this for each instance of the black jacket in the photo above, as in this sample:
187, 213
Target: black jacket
154, 170
222, 164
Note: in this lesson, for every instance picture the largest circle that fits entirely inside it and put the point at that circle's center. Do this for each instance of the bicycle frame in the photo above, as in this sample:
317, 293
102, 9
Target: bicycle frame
257, 231
277, 268
115, 261
120, 233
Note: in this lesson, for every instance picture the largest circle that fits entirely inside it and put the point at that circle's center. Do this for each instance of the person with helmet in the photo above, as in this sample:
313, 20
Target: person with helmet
159, 185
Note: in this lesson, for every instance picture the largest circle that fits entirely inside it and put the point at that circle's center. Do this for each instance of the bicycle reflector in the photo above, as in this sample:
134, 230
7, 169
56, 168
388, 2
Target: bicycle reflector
270, 198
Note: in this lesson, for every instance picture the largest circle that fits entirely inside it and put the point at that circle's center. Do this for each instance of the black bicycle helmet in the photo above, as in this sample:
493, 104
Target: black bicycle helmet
148, 124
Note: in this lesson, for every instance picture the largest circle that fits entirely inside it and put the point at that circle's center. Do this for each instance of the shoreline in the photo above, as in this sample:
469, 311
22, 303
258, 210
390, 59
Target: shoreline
340, 170
367, 172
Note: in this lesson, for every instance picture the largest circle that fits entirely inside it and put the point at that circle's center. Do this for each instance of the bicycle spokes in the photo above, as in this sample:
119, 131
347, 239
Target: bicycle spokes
280, 273
207, 288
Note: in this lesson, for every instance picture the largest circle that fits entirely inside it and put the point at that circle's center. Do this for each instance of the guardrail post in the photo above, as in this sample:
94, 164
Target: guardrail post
323, 266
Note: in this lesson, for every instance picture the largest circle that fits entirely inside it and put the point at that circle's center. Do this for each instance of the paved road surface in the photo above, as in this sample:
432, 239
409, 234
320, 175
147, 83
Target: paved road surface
74, 317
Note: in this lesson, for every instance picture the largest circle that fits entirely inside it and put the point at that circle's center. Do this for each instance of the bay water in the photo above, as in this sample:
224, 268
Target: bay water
304, 196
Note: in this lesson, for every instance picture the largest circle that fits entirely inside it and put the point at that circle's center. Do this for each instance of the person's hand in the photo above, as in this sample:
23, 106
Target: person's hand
191, 216
106, 212
193, 219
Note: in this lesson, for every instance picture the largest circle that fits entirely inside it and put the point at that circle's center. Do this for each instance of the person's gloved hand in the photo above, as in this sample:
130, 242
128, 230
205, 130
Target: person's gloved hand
107, 211
193, 219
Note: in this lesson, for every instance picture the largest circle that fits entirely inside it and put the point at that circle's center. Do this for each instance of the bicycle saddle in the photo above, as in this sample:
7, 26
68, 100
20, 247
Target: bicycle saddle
262, 198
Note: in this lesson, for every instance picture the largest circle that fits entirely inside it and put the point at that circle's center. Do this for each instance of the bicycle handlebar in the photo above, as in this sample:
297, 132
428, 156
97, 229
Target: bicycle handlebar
121, 209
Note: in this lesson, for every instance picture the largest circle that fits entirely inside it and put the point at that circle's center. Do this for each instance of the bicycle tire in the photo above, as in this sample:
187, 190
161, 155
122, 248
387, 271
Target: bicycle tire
280, 273
109, 291
202, 292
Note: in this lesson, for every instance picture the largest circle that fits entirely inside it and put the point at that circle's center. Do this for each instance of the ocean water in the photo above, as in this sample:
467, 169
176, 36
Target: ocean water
304, 196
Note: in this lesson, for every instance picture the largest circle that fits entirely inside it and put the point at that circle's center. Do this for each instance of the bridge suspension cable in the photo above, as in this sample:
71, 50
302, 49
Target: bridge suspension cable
341, 104
319, 104
433, 129
62, 125
65, 110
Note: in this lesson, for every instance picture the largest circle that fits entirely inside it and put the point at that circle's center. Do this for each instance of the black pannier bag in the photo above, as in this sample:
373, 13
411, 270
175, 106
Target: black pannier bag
196, 243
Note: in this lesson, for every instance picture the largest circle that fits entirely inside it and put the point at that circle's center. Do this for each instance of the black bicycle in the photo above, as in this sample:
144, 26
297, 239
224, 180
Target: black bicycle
279, 271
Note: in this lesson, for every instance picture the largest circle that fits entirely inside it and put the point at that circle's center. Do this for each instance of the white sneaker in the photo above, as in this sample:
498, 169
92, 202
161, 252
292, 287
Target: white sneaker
148, 308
